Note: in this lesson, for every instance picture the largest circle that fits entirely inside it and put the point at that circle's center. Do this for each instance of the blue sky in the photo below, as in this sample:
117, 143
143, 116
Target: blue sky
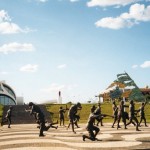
75, 46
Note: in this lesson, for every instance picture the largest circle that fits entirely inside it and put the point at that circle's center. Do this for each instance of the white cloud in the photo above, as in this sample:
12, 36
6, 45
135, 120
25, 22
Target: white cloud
134, 66
62, 66
29, 68
3, 72
137, 13
53, 87
105, 3
74, 0
4, 16
16, 47
113, 23
7, 26
146, 64
58, 87
43, 1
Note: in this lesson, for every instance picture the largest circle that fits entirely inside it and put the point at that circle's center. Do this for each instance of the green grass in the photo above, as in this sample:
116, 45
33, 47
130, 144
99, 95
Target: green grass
1, 112
84, 113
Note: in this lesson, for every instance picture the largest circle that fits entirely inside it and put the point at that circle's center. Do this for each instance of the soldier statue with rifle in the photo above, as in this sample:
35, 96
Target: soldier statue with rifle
90, 127
40, 118
61, 115
132, 113
142, 114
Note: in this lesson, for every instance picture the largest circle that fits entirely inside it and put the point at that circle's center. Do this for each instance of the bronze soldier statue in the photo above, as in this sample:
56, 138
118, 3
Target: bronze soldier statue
90, 127
98, 112
115, 113
71, 114
61, 115
142, 114
132, 116
40, 118
122, 114
8, 116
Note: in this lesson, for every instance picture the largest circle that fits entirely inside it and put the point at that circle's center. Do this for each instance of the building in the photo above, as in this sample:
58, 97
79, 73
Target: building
145, 91
8, 96
124, 88
20, 100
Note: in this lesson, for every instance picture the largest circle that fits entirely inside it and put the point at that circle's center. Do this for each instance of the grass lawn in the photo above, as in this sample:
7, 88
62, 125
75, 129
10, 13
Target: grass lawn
84, 113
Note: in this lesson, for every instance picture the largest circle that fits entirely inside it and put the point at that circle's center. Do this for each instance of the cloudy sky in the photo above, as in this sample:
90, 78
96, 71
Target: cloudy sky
75, 46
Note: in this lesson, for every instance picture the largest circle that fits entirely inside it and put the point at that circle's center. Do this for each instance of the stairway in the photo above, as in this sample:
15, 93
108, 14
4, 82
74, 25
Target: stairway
20, 116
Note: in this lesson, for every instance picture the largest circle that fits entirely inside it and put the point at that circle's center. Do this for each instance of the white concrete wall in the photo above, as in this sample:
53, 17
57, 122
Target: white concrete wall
20, 101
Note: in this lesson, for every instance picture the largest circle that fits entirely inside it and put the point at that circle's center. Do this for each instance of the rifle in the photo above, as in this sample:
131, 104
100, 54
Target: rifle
101, 116
27, 110
67, 108
105, 115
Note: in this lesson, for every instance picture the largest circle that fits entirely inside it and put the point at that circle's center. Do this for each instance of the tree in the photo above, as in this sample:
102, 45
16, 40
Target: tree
89, 101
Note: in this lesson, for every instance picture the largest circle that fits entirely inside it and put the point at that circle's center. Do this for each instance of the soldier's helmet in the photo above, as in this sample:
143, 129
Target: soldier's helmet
79, 104
30, 103
10, 107
98, 103
114, 102
131, 101
122, 102
93, 108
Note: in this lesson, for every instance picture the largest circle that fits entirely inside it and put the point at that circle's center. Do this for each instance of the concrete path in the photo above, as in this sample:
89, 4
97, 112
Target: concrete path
25, 137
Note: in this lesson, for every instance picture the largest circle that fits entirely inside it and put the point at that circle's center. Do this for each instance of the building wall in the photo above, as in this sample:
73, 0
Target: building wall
7, 95
20, 101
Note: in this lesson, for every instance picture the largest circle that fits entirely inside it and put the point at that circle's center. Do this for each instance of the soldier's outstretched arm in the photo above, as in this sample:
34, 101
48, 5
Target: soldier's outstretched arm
105, 115
27, 110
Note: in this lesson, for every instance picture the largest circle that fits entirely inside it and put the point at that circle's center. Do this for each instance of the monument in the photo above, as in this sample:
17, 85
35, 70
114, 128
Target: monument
59, 97
123, 87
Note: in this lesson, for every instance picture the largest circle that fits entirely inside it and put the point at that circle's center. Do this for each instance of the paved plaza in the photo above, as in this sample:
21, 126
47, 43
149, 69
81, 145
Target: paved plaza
25, 137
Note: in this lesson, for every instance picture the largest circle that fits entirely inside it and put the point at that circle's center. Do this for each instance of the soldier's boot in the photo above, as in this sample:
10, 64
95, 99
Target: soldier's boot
83, 137
137, 129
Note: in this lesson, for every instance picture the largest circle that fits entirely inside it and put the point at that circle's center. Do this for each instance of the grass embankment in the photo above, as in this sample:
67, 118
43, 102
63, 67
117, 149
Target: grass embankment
84, 113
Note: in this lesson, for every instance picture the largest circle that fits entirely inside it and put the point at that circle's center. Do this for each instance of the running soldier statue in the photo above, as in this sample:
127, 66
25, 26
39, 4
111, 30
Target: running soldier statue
98, 112
8, 116
40, 118
122, 114
72, 114
132, 116
142, 114
115, 113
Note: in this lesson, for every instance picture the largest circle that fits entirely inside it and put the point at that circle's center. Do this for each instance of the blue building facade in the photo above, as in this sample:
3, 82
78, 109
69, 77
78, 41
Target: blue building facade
7, 94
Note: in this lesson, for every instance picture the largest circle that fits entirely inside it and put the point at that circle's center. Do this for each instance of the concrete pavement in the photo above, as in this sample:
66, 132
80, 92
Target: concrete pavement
25, 137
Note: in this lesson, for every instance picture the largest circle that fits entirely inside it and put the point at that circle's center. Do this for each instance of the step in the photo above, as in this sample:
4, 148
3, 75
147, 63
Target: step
20, 116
